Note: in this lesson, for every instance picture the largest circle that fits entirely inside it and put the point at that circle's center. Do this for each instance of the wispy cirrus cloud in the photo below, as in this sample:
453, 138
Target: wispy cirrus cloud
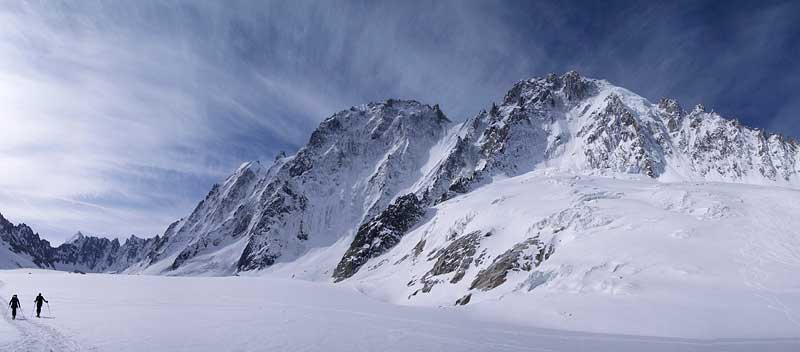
112, 130
117, 116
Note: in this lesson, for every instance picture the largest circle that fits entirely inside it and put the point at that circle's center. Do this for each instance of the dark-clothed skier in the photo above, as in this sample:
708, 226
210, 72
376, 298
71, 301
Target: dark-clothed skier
39, 300
14, 304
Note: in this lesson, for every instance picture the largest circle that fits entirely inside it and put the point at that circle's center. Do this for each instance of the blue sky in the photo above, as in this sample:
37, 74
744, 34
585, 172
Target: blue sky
118, 116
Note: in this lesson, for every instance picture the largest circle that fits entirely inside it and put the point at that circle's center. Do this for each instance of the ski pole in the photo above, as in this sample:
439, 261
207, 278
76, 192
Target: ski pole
49, 312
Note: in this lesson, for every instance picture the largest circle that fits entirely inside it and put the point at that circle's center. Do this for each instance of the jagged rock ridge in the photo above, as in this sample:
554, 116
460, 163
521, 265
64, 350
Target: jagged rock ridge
81, 252
352, 168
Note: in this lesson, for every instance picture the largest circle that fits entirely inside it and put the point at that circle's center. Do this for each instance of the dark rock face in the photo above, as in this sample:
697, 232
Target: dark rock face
380, 234
576, 87
673, 113
444, 186
90, 252
513, 137
95, 254
262, 251
134, 250
87, 253
354, 164
464, 300
618, 141
419, 248
523, 256
457, 257
22, 240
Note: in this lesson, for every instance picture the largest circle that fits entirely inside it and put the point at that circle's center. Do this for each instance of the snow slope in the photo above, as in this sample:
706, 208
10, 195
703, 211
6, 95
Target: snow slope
100, 312
10, 259
602, 254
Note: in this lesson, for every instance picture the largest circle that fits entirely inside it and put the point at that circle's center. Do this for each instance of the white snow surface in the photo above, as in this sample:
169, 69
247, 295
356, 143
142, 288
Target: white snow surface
642, 257
127, 313
9, 259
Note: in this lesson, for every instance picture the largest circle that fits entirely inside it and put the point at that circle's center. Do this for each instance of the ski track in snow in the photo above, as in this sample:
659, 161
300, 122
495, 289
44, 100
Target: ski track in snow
37, 336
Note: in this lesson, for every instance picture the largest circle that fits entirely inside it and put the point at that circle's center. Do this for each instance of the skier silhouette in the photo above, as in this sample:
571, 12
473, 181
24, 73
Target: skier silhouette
39, 300
14, 304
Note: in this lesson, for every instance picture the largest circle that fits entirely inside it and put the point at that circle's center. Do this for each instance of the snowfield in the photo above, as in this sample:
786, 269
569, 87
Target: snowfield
101, 312
632, 264
631, 256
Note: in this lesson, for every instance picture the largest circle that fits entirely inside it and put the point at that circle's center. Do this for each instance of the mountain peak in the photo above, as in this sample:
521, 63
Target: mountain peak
391, 118
551, 90
77, 237
671, 106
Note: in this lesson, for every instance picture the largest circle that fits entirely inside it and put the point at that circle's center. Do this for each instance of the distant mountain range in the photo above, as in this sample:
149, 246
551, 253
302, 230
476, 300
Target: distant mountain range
20, 247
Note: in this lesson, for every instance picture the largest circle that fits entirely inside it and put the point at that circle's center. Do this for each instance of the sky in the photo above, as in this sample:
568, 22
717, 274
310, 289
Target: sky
116, 117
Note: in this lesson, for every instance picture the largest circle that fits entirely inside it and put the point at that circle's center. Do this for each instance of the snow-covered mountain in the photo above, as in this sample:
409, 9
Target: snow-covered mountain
98, 254
354, 165
567, 185
21, 247
367, 174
